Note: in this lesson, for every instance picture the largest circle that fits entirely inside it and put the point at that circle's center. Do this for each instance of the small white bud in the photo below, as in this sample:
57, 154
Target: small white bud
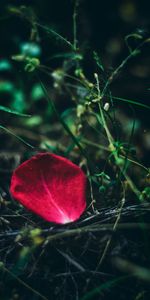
106, 106
96, 76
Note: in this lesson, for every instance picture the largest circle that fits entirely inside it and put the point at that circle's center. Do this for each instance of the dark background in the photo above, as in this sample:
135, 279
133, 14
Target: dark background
102, 27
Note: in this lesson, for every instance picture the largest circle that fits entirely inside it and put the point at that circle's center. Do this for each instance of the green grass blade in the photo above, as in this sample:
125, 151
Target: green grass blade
104, 286
18, 137
131, 102
56, 34
14, 112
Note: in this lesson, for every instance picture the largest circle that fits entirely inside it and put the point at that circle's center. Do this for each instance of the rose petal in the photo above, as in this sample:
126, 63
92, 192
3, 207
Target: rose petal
50, 186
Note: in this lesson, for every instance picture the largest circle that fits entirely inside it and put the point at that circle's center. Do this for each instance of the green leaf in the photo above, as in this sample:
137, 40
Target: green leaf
33, 121
30, 49
68, 116
14, 112
145, 195
37, 92
6, 87
5, 65
18, 102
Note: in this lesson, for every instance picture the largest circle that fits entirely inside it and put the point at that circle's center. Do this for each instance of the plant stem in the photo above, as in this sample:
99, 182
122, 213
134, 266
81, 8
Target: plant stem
112, 148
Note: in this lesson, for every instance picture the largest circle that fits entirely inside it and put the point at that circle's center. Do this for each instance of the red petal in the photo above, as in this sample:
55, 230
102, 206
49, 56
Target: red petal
51, 186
